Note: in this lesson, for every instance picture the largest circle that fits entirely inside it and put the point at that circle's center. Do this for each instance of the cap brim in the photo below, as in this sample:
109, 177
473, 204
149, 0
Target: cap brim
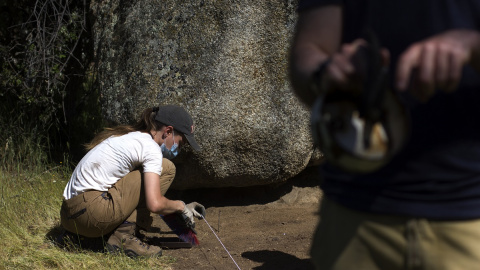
192, 142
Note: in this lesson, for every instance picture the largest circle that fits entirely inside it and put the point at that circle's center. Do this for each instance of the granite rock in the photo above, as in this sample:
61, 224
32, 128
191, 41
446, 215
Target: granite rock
226, 62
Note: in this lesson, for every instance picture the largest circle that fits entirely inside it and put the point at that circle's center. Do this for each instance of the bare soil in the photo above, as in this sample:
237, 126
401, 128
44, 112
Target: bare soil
266, 227
262, 228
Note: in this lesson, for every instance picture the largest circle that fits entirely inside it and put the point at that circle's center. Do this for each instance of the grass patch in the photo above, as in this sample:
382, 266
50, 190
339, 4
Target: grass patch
30, 206
31, 189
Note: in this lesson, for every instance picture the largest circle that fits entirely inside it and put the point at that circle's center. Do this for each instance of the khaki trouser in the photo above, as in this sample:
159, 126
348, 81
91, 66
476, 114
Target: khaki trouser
347, 240
96, 213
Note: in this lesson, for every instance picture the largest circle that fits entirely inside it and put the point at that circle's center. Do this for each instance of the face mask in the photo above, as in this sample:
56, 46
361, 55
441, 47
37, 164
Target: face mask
172, 152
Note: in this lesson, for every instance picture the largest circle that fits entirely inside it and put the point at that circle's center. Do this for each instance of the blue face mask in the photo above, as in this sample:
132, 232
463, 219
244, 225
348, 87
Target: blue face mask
172, 152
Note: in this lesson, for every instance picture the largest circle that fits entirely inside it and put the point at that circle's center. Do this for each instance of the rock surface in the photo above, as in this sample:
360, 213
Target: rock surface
226, 63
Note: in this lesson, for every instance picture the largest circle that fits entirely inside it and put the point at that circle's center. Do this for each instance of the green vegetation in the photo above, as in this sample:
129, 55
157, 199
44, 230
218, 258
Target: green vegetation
30, 200
47, 75
49, 107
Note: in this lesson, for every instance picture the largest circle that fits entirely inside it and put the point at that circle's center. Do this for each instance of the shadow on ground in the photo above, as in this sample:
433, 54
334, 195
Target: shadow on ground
264, 227
277, 260
243, 196
74, 242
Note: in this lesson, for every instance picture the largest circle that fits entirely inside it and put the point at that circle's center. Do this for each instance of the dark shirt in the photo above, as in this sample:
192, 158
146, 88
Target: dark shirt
437, 175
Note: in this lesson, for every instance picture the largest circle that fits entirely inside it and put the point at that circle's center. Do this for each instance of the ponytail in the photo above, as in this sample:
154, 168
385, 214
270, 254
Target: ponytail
145, 124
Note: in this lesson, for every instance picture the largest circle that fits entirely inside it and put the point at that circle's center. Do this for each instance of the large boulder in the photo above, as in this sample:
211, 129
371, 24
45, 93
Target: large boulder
226, 63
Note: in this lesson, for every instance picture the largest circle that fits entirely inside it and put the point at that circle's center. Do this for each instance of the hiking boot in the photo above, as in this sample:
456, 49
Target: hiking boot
124, 240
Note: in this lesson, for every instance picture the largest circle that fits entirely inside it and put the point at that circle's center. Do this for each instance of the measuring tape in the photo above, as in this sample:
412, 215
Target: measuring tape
221, 243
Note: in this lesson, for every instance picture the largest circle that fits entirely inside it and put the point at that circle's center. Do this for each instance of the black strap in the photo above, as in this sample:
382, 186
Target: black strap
77, 214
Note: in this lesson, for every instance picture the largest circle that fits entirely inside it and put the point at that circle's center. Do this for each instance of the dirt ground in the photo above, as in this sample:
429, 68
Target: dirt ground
262, 228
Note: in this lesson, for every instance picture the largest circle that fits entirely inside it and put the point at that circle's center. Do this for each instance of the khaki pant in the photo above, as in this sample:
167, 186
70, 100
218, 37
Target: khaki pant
96, 213
353, 240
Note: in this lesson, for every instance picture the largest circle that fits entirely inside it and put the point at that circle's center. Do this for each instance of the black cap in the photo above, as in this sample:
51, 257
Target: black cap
179, 119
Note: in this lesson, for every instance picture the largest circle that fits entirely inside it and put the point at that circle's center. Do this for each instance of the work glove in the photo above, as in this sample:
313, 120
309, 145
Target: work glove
191, 210
197, 209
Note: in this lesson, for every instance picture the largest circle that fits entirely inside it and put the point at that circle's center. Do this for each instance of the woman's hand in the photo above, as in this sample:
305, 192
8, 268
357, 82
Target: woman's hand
192, 210
197, 209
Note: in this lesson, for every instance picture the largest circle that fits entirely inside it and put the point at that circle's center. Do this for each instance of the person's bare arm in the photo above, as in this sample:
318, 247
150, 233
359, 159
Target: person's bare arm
317, 43
156, 202
318, 36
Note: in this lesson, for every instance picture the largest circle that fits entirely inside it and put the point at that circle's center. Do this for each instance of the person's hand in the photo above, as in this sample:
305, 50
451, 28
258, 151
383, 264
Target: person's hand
436, 63
346, 69
187, 214
192, 210
197, 209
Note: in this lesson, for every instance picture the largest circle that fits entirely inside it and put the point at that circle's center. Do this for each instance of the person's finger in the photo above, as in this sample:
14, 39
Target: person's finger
351, 49
454, 73
426, 68
334, 72
196, 214
344, 65
407, 62
442, 68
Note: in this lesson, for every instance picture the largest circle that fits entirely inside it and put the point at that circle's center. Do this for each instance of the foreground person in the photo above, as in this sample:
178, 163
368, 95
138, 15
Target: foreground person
126, 172
422, 210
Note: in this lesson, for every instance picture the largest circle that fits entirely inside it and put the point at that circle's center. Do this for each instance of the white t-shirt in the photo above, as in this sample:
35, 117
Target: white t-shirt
111, 160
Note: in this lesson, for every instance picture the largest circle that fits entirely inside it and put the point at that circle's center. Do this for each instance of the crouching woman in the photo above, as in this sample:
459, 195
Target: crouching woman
127, 170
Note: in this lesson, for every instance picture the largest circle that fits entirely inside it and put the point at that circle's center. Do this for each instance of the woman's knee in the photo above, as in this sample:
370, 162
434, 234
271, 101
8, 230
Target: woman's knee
168, 168
167, 176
